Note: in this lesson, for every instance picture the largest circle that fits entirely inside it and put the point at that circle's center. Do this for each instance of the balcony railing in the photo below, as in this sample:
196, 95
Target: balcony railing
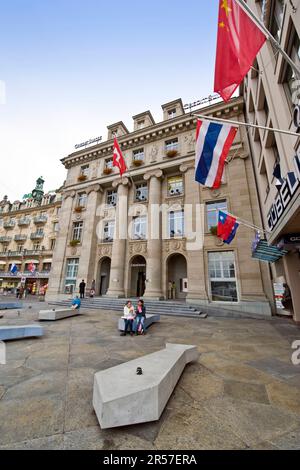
9, 224
40, 219
20, 238
37, 236
24, 222
5, 239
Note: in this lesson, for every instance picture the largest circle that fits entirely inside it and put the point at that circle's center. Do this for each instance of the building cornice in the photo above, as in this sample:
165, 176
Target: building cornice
153, 133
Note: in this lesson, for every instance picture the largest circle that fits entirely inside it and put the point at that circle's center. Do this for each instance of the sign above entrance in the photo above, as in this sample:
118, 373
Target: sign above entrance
285, 195
88, 142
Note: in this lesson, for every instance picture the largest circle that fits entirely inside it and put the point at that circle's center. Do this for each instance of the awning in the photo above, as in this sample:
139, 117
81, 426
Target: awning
47, 260
2, 263
264, 252
33, 261
15, 262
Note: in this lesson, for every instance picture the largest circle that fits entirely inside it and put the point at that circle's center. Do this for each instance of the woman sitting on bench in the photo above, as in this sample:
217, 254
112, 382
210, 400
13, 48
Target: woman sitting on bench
128, 318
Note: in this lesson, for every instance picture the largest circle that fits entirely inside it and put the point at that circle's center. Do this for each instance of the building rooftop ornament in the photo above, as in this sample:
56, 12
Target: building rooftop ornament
38, 192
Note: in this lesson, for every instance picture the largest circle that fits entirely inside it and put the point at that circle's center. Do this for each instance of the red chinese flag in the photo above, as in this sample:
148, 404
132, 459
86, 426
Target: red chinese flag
239, 41
118, 159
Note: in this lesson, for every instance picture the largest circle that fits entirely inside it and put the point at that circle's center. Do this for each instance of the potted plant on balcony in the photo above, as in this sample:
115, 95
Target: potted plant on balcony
214, 230
78, 209
137, 163
74, 243
172, 153
107, 171
82, 178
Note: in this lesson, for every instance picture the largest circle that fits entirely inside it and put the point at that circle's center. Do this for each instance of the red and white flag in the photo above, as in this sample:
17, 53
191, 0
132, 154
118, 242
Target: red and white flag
118, 159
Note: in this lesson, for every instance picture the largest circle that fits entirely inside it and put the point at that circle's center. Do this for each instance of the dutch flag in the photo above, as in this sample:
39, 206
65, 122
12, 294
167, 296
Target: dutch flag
213, 142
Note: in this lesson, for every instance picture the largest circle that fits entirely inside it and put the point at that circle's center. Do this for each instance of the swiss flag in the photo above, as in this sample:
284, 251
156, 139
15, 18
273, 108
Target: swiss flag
118, 159
239, 41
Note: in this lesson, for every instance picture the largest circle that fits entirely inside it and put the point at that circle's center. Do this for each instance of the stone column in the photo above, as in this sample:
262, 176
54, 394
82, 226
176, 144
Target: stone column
57, 275
88, 254
154, 245
117, 271
195, 254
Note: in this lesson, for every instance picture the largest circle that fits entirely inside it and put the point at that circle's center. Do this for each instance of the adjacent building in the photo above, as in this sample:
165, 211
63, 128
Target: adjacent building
28, 231
152, 233
272, 92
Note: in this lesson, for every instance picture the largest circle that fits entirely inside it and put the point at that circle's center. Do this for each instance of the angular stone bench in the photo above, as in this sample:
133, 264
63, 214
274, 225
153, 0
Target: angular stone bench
121, 397
10, 305
9, 332
58, 314
150, 319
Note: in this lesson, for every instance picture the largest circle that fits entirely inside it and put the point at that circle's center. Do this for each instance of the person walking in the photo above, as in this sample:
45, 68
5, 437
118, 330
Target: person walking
82, 289
140, 317
128, 317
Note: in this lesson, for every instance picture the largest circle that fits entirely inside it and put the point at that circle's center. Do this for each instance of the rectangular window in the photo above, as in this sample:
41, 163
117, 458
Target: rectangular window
109, 163
175, 186
222, 276
141, 192
52, 243
111, 198
140, 228
141, 124
36, 247
277, 19
290, 76
109, 231
82, 197
172, 113
176, 224
84, 170
71, 274
77, 231
212, 209
171, 145
20, 248
55, 227
138, 155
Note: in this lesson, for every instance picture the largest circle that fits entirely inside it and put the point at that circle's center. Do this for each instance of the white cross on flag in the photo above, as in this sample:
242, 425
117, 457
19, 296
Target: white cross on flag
118, 159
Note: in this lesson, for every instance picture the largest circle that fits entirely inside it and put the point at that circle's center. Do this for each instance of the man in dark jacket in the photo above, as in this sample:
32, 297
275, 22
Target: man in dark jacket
82, 289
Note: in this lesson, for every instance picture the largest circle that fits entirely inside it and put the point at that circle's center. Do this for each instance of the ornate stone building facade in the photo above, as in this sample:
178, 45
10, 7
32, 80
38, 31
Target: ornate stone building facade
112, 232
272, 97
28, 231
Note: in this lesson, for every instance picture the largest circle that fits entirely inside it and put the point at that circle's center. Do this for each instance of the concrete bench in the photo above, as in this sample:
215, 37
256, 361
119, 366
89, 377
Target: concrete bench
19, 332
58, 314
148, 322
121, 397
10, 305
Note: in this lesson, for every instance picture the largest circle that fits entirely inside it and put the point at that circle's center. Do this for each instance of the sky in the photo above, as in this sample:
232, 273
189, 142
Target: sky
72, 67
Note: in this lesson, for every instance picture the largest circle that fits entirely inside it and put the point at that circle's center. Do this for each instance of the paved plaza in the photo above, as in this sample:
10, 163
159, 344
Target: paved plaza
243, 393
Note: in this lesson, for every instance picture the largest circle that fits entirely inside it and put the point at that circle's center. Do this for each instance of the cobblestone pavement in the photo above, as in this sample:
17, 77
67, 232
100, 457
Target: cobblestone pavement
242, 393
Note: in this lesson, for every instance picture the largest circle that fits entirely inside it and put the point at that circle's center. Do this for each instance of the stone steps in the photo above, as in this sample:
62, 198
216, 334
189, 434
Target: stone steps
153, 306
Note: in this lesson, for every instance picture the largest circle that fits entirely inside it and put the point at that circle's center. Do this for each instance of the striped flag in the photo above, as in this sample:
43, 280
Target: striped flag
213, 142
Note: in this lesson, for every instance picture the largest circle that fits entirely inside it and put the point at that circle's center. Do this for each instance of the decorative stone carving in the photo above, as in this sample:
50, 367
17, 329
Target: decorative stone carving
175, 246
123, 181
215, 193
73, 251
105, 250
138, 248
155, 173
96, 187
154, 153
218, 242
187, 166
190, 140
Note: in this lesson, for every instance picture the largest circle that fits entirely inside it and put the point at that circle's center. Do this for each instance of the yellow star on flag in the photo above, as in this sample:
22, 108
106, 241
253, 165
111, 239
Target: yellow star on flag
226, 7
222, 24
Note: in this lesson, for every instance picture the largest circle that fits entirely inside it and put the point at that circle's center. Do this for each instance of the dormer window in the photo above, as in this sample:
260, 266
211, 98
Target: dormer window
141, 124
172, 113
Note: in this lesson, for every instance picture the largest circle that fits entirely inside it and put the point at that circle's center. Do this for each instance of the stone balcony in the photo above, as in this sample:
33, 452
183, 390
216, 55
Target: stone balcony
24, 222
9, 225
37, 236
5, 239
40, 219
20, 238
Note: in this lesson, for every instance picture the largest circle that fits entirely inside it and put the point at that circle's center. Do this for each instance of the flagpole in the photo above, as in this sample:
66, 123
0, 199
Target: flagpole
246, 124
247, 224
268, 35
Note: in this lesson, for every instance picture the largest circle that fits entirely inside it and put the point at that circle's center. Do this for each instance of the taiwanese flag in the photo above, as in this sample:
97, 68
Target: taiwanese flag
239, 41
118, 159
227, 227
